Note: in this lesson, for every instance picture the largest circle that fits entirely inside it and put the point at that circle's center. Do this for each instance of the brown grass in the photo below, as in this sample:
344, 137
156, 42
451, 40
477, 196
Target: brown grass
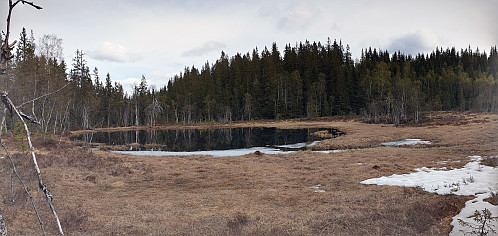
493, 199
101, 193
490, 161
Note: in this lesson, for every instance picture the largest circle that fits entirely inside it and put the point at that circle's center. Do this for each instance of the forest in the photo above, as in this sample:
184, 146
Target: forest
306, 80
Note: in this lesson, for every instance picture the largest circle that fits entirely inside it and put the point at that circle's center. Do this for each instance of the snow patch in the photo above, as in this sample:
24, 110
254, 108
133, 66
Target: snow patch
215, 153
409, 141
329, 151
317, 188
473, 179
314, 143
293, 146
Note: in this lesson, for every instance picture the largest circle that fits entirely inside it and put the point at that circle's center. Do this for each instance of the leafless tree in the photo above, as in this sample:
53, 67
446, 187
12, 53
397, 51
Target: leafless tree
50, 46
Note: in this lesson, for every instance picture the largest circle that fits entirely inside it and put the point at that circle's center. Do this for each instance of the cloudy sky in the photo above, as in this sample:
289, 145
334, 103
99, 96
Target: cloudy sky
158, 39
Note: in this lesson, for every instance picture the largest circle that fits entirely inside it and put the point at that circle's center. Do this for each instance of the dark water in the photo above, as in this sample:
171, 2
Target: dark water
215, 139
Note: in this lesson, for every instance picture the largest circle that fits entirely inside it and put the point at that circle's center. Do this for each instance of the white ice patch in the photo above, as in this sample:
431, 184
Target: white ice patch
314, 143
473, 179
317, 188
329, 151
293, 146
216, 153
409, 141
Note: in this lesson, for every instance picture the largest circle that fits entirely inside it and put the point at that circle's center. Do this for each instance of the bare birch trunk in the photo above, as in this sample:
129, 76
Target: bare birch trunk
41, 185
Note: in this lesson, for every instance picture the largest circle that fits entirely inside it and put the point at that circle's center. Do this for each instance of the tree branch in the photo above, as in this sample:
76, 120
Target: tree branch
8, 104
3, 227
6, 48
41, 185
30, 3
42, 96
14, 171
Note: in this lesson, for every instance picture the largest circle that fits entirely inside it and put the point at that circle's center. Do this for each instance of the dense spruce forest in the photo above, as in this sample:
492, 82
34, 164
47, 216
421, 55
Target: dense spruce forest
304, 80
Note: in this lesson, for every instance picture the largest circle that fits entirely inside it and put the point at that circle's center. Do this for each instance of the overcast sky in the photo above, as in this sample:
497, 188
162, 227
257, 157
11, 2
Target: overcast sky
131, 38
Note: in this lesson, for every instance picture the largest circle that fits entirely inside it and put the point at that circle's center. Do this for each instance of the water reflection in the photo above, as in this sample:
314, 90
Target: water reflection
187, 140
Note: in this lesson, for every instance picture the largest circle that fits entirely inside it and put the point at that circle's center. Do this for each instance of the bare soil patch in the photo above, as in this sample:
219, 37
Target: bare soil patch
101, 193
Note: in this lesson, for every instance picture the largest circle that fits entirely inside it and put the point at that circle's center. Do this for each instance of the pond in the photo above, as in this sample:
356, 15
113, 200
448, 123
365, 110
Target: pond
199, 141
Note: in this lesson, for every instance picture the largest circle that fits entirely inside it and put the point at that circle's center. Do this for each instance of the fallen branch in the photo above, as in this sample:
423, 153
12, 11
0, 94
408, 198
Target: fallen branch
8, 103
14, 171
3, 227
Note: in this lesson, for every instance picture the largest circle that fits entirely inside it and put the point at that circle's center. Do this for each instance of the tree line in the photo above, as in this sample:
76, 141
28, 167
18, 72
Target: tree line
303, 81
315, 80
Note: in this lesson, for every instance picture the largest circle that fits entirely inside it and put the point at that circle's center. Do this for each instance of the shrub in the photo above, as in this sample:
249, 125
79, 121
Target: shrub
482, 225
237, 221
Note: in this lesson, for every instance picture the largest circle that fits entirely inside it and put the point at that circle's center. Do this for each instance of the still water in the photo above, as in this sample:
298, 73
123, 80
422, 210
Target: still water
189, 140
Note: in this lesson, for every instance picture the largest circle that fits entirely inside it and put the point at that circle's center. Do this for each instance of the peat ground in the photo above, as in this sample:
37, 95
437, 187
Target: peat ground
101, 193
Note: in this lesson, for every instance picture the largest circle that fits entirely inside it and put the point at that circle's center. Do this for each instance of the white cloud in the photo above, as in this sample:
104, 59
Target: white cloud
299, 15
207, 47
155, 79
129, 83
420, 41
113, 52
158, 79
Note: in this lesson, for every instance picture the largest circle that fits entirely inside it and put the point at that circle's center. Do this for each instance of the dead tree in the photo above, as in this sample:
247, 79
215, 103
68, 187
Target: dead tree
6, 48
6, 55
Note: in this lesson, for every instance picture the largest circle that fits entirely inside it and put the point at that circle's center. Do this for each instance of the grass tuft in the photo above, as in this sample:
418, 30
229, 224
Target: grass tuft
490, 161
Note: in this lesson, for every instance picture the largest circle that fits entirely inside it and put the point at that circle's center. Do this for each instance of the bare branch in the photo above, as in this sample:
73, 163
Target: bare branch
14, 171
31, 4
8, 104
6, 48
41, 185
3, 227
42, 96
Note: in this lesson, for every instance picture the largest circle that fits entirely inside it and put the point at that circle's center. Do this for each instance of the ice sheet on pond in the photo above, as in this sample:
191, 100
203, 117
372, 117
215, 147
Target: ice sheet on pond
409, 141
216, 153
293, 146
473, 179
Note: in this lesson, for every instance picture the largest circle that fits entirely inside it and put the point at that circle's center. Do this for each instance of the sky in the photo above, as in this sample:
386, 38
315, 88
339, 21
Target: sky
158, 39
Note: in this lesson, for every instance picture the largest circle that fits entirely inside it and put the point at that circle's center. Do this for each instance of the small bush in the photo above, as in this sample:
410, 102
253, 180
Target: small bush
74, 220
91, 178
237, 221
482, 224
46, 143
20, 135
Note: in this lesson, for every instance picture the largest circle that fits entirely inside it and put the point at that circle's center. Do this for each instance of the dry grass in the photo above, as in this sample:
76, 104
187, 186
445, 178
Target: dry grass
100, 193
490, 161
493, 199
